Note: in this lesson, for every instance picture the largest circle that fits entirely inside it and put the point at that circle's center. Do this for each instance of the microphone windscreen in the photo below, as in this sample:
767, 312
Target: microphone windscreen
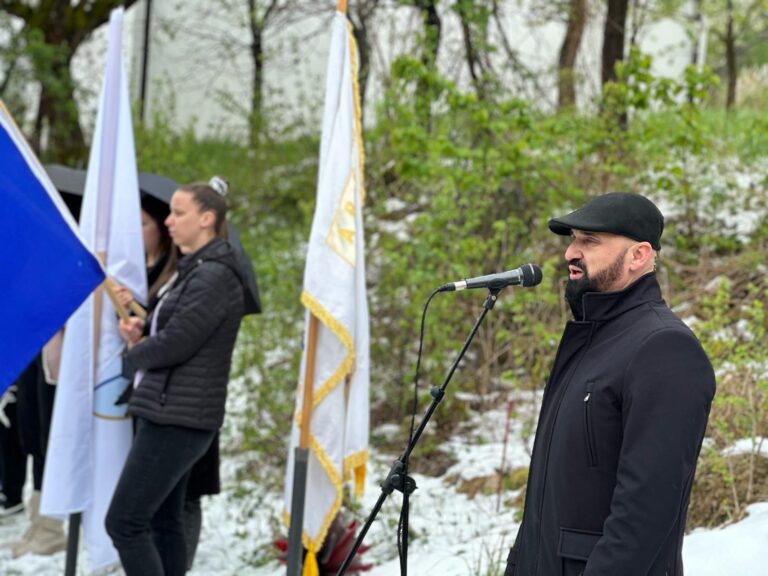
532, 275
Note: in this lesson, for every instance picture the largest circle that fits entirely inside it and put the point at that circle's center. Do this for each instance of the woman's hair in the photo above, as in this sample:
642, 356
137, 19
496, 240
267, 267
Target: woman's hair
168, 270
158, 211
210, 196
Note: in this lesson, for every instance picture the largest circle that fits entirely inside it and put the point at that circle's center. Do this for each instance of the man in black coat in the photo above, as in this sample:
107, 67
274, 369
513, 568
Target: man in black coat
624, 410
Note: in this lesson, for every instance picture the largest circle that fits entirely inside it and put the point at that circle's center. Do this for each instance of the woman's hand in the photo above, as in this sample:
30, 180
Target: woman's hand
132, 330
124, 295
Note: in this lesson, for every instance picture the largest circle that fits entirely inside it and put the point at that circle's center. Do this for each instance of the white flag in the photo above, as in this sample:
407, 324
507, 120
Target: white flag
334, 291
90, 436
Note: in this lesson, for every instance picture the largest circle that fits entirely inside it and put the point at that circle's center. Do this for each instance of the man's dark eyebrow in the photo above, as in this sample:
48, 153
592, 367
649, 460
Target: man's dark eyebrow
585, 233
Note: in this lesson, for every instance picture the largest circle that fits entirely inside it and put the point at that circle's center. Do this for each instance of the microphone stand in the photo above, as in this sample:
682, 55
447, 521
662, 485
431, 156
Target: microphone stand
398, 479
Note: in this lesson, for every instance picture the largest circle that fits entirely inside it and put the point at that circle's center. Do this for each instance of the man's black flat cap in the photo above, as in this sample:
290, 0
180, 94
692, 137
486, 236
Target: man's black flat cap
623, 213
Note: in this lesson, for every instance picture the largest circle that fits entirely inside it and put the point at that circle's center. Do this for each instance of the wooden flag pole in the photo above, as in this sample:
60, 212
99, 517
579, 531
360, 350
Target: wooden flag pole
301, 457
110, 286
341, 6
138, 310
309, 379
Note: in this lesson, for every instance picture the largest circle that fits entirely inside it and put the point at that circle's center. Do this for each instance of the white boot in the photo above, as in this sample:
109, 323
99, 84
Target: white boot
49, 537
19, 547
44, 536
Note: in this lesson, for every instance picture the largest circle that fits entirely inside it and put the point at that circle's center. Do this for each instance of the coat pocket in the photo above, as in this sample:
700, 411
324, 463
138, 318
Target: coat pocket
574, 549
589, 432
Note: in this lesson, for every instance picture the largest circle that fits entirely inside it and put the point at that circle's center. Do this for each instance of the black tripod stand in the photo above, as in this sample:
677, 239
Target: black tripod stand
398, 479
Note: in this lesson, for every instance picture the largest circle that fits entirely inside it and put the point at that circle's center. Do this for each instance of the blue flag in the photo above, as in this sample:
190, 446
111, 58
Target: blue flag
46, 272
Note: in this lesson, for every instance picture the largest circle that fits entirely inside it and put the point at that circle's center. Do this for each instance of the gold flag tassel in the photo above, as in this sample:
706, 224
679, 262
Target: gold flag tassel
310, 562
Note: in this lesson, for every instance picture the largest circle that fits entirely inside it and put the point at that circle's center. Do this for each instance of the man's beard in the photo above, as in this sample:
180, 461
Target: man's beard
600, 282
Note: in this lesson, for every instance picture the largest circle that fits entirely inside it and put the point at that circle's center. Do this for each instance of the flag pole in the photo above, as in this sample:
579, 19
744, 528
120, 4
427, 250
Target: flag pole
110, 286
309, 378
301, 457
73, 543
341, 6
75, 518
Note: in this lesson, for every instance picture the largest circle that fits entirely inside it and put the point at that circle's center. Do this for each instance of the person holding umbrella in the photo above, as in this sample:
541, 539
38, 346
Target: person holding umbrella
183, 356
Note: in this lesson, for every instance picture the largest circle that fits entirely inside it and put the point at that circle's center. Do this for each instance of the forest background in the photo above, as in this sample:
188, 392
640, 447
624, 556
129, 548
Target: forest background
461, 179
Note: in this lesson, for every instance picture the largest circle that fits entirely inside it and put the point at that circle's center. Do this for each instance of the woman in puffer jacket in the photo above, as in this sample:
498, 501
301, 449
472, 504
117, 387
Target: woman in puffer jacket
182, 357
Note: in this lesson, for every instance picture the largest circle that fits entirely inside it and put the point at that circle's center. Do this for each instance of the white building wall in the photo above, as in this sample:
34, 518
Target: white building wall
200, 69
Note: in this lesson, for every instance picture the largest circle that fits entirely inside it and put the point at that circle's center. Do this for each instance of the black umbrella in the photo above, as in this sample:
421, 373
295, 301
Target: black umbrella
156, 191
157, 186
70, 182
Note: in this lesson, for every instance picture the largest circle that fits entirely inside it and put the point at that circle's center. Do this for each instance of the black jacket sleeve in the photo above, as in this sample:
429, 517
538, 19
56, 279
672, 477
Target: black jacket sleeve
668, 392
201, 307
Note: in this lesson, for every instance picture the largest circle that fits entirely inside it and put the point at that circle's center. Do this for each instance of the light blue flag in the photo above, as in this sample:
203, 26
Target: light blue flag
45, 269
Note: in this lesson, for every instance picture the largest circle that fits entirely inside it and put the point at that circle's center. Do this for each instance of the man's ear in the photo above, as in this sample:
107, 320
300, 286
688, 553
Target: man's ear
642, 255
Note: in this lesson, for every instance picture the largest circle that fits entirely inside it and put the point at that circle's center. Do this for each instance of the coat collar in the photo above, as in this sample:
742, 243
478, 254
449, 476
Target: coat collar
216, 248
603, 306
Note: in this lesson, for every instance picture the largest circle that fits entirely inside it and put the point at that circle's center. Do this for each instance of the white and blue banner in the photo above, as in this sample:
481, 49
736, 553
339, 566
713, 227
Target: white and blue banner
90, 436
46, 271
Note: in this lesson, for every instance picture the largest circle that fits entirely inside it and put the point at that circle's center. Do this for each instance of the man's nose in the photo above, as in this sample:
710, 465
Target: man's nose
571, 253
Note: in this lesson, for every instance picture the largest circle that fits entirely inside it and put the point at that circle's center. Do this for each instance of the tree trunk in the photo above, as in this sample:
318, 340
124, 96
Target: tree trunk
361, 23
360, 32
57, 135
59, 116
613, 38
730, 59
577, 19
471, 51
433, 29
257, 80
63, 26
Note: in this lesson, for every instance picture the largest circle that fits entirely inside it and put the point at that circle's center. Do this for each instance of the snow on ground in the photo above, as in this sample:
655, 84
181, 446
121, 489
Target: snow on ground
738, 549
453, 534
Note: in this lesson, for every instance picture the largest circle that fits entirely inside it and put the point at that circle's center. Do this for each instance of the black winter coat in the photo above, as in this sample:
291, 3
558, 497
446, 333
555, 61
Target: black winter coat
620, 430
187, 362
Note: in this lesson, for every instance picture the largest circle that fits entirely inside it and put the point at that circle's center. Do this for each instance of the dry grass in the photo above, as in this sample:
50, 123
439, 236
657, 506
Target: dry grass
720, 496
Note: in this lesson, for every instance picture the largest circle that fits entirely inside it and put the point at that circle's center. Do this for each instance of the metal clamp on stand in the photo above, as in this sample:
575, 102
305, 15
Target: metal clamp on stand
396, 480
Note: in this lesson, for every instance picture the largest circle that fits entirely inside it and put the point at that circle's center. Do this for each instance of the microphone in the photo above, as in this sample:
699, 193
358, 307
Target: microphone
527, 275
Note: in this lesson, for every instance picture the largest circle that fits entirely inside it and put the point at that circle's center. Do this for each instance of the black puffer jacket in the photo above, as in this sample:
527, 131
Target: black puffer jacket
621, 426
187, 362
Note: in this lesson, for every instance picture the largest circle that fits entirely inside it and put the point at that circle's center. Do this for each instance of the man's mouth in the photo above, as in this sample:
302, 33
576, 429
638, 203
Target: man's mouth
575, 273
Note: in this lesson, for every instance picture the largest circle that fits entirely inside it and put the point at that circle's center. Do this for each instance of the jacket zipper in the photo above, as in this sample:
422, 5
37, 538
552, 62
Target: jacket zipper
185, 280
590, 436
